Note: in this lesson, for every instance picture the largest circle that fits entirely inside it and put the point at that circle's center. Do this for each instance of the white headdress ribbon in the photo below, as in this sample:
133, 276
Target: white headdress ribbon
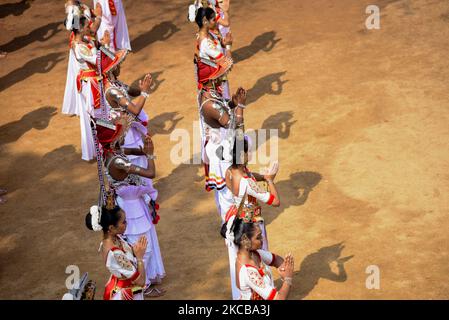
95, 212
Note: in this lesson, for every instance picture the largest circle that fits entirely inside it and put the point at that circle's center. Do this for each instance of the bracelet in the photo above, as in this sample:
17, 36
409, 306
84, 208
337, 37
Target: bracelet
228, 47
137, 169
241, 106
269, 181
151, 156
288, 281
144, 94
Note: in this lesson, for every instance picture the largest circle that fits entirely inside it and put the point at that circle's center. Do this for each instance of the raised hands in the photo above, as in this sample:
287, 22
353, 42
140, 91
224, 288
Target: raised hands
98, 11
270, 172
286, 269
228, 39
106, 38
239, 97
140, 247
145, 84
148, 146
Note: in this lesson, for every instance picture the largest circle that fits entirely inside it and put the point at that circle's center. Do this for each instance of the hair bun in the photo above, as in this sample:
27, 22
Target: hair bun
89, 221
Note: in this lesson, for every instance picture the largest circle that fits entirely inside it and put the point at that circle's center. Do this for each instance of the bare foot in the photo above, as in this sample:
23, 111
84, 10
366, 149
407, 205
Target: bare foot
153, 292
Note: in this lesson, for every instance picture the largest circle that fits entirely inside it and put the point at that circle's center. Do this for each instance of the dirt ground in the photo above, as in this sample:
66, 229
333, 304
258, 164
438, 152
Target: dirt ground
363, 147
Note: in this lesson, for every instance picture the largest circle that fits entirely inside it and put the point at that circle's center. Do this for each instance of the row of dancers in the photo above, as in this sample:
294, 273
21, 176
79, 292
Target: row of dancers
114, 132
225, 154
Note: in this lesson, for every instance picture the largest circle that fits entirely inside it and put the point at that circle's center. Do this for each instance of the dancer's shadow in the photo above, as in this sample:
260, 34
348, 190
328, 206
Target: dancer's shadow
159, 32
34, 168
39, 65
281, 121
15, 9
157, 124
317, 266
37, 119
294, 192
182, 178
156, 82
264, 42
40, 34
265, 85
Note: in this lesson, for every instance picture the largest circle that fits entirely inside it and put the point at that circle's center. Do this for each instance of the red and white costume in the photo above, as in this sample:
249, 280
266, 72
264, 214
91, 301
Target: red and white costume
133, 196
70, 104
122, 264
251, 208
114, 21
256, 283
87, 82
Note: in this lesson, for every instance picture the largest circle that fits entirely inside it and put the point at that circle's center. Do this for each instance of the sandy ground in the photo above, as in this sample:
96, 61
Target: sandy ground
363, 118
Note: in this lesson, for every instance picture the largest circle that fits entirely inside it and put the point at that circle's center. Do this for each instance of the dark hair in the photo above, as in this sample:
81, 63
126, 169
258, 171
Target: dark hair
82, 23
108, 218
209, 13
239, 228
240, 147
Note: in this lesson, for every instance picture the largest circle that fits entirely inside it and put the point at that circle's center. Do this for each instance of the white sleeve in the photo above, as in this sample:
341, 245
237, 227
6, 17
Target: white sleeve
267, 257
120, 266
208, 47
84, 53
252, 189
255, 281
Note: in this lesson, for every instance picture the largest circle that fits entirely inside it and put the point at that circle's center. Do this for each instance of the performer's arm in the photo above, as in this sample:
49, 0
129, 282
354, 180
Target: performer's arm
139, 249
225, 21
238, 104
224, 5
150, 171
98, 12
134, 106
271, 197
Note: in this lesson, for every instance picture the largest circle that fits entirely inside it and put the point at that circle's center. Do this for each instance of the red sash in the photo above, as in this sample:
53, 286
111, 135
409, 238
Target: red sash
92, 77
115, 285
112, 7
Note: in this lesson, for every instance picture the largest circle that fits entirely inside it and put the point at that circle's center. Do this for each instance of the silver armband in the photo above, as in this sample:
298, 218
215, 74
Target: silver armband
220, 109
123, 164
151, 156
241, 106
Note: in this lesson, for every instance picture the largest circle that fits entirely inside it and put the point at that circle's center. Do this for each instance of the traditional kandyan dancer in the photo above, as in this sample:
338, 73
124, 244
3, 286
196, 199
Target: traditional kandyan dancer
253, 274
133, 195
74, 10
123, 260
88, 82
223, 31
114, 21
118, 98
245, 196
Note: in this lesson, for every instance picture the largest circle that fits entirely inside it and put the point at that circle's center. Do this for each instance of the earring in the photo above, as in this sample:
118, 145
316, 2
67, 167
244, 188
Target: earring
247, 244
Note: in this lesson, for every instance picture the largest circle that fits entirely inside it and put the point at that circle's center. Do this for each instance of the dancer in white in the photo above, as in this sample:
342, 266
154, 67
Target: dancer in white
133, 194
246, 195
124, 262
87, 82
114, 21
74, 11
253, 274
